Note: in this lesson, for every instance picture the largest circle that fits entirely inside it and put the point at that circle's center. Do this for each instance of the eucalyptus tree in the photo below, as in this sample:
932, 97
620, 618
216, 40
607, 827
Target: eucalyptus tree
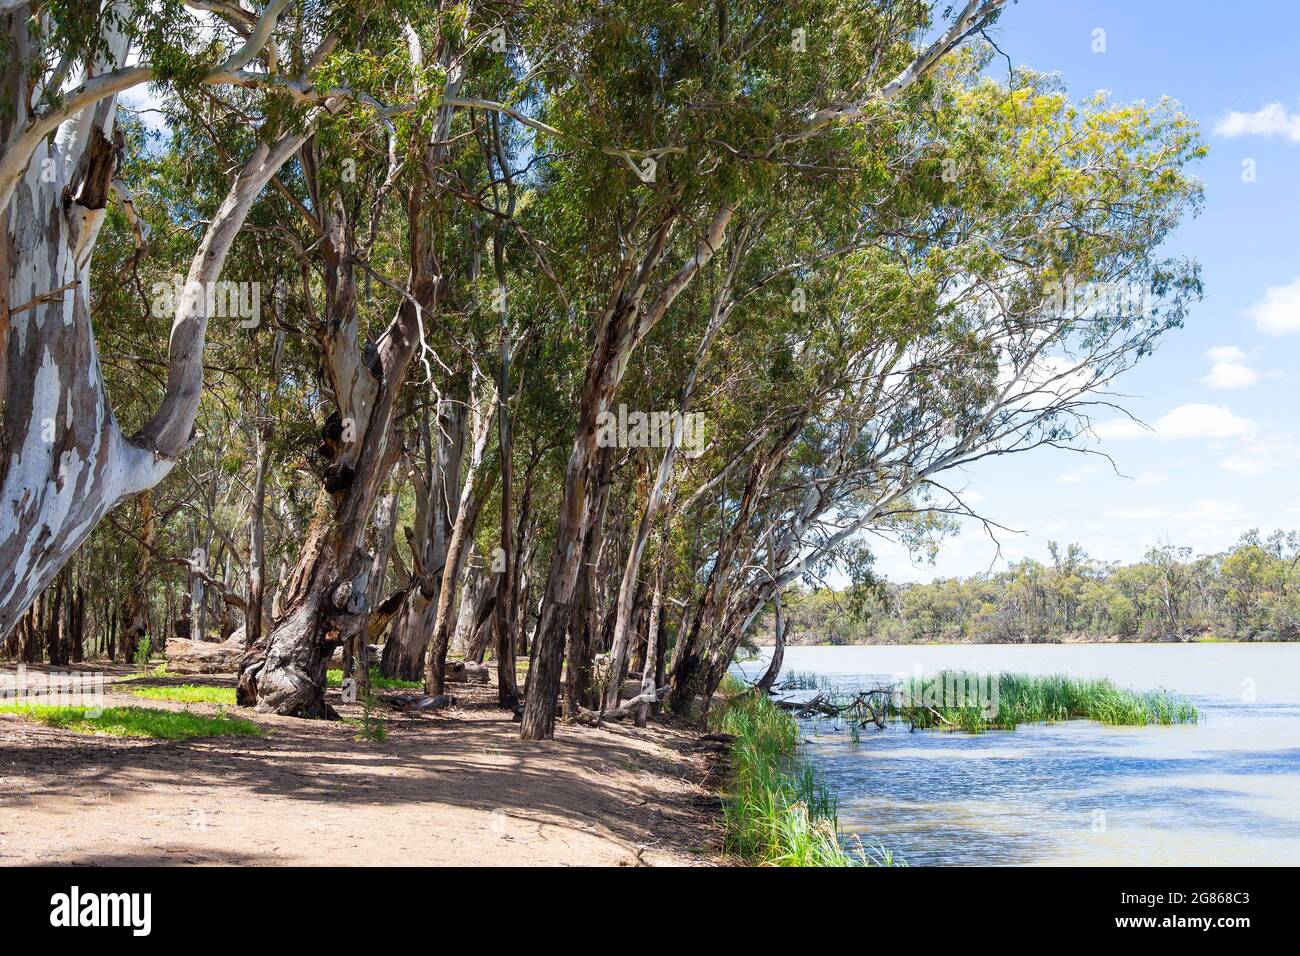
989, 317
327, 598
697, 108
413, 74
66, 461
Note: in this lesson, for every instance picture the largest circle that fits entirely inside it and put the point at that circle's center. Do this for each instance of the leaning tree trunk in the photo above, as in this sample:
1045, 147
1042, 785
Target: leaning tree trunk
285, 672
624, 326
719, 310
778, 649
695, 656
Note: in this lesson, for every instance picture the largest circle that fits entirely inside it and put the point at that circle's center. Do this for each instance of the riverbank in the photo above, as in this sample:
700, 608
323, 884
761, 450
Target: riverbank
777, 811
1050, 639
457, 787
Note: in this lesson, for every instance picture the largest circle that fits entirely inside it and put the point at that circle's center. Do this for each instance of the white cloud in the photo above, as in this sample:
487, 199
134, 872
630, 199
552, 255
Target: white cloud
1149, 479
1278, 313
1243, 465
1202, 421
1274, 453
1229, 369
1193, 420
1225, 353
1271, 120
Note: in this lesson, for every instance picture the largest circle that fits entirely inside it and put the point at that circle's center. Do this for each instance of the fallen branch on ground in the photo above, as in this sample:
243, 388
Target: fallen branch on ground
585, 716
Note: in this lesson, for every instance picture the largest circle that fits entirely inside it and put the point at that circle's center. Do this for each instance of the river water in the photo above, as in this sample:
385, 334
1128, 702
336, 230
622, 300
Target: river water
1223, 791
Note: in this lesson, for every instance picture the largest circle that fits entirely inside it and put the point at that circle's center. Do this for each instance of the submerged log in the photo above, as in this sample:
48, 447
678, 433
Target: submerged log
796, 699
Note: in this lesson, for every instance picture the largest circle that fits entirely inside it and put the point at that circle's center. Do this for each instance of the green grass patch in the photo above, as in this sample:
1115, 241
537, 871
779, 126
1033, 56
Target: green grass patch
189, 694
138, 722
776, 810
334, 678
950, 700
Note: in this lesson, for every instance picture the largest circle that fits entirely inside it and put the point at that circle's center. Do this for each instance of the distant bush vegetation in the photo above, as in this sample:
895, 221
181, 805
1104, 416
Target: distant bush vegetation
1250, 592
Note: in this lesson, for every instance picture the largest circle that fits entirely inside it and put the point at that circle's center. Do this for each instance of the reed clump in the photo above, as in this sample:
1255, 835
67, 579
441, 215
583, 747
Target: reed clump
777, 811
1024, 699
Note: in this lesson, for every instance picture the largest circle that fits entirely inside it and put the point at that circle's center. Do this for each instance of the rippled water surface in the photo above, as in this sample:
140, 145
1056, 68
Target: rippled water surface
1226, 790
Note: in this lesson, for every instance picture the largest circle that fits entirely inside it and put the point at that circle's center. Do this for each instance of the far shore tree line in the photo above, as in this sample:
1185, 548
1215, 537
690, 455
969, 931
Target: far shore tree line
315, 353
1250, 592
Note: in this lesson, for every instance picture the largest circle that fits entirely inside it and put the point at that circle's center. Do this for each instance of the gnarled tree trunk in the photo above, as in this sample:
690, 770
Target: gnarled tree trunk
327, 604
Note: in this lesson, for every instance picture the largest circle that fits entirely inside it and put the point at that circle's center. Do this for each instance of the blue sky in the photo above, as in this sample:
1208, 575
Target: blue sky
1220, 392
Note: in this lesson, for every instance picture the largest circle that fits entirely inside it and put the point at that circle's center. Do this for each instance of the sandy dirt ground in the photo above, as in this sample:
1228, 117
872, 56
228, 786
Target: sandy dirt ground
453, 788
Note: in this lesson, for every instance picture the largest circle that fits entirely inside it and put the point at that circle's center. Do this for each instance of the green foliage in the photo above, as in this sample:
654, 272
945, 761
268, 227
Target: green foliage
142, 651
334, 678
369, 727
138, 722
897, 263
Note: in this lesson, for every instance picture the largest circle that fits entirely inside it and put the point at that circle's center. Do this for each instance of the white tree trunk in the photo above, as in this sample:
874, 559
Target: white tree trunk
65, 461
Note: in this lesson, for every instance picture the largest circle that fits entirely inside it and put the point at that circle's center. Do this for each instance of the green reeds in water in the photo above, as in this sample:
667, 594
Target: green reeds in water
1014, 699
776, 812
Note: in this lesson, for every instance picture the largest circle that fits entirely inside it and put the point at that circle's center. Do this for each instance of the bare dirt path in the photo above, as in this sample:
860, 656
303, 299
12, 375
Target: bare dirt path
456, 788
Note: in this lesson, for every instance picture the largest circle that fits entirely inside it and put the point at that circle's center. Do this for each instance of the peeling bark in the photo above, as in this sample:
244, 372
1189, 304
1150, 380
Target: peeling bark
64, 462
